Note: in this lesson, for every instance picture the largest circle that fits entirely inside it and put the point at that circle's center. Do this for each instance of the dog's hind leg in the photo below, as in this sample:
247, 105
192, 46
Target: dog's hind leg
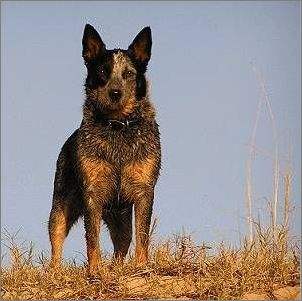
62, 216
67, 200
119, 222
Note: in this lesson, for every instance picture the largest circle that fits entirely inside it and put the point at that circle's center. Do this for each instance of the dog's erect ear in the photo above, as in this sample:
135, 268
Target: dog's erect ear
140, 48
93, 45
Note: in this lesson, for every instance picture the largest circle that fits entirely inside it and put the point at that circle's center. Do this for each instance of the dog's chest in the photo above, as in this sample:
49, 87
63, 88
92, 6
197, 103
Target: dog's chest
117, 146
123, 146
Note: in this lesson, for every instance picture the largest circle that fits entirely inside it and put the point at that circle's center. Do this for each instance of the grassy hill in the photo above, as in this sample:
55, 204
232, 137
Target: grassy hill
268, 268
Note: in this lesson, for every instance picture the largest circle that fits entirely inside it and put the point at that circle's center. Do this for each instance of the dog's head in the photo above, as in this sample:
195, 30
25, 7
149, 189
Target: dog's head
116, 82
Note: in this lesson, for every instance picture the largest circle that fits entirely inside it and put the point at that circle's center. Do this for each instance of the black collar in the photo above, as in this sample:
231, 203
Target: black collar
117, 124
121, 124
125, 123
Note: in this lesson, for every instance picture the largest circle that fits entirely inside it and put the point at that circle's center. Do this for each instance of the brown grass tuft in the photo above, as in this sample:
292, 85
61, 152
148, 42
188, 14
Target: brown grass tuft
178, 268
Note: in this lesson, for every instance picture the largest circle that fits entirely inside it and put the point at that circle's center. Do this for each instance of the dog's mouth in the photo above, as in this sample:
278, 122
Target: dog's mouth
120, 110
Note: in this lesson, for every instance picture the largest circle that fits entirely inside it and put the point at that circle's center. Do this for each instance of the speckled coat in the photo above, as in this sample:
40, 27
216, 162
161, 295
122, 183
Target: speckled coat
111, 163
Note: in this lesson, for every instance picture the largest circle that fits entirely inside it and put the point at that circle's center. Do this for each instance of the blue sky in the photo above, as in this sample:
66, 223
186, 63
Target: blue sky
203, 87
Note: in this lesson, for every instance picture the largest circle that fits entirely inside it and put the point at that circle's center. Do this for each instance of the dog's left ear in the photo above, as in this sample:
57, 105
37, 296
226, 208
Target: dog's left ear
92, 43
140, 48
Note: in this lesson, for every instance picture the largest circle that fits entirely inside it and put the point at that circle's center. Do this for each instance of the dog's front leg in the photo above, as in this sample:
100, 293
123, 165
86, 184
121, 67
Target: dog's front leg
143, 212
92, 221
98, 185
138, 183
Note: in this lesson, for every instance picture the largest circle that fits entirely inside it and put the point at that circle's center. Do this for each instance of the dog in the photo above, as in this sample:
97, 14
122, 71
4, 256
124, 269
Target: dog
111, 163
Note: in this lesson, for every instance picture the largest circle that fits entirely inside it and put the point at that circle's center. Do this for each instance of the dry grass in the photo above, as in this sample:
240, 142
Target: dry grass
177, 269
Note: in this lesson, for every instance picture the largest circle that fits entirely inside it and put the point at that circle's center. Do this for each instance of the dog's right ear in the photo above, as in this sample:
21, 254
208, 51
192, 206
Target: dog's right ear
93, 45
140, 48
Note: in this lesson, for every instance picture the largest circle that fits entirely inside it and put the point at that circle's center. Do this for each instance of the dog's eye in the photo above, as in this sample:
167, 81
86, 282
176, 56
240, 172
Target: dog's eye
102, 70
103, 73
128, 74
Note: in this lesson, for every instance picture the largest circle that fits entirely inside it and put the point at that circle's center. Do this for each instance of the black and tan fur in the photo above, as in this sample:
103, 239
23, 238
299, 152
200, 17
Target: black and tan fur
111, 163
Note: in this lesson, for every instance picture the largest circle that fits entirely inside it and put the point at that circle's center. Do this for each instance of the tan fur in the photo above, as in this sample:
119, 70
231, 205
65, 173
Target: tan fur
121, 61
95, 172
93, 247
127, 107
141, 255
141, 171
57, 238
137, 184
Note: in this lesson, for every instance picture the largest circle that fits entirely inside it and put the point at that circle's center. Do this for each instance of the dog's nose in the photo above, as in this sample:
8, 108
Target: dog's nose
115, 94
